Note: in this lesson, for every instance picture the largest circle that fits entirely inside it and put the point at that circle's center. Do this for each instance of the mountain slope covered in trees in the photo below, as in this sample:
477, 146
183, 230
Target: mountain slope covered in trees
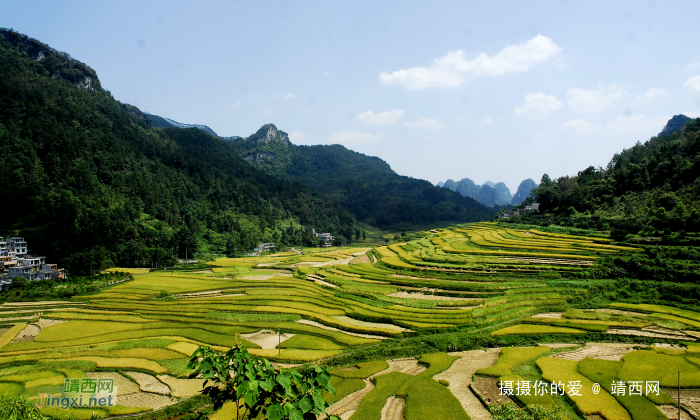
365, 185
647, 188
648, 195
90, 183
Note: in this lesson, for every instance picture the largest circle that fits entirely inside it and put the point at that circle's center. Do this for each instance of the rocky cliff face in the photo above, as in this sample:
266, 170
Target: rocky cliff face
270, 132
53, 63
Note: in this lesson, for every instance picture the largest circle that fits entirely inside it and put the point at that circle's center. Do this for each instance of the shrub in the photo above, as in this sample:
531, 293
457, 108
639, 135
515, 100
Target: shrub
19, 408
510, 411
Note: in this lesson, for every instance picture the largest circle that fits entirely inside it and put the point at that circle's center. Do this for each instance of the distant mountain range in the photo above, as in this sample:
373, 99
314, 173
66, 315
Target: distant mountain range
490, 194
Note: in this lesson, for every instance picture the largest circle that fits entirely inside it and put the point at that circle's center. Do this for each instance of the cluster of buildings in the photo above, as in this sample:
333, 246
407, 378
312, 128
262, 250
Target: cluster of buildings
518, 212
16, 262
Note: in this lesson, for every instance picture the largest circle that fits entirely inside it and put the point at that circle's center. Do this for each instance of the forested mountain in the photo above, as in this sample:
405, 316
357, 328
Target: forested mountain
90, 183
365, 185
489, 194
649, 189
523, 191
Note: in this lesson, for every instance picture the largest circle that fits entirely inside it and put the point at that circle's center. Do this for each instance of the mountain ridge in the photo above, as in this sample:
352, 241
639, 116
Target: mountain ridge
365, 185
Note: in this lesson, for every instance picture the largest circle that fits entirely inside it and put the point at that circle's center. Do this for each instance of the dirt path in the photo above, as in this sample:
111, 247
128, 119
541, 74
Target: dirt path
459, 375
326, 327
393, 409
351, 402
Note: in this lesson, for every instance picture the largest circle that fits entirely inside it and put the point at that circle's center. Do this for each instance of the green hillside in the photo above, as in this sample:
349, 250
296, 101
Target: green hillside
648, 195
90, 183
365, 185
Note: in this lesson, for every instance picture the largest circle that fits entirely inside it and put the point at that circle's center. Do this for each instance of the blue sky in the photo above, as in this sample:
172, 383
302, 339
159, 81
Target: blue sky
499, 90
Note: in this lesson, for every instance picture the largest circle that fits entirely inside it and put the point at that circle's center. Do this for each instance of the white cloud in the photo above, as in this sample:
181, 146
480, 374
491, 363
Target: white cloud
297, 137
580, 126
538, 105
267, 111
641, 126
648, 96
693, 84
237, 103
285, 97
453, 69
427, 123
325, 74
489, 121
344, 137
380, 118
594, 100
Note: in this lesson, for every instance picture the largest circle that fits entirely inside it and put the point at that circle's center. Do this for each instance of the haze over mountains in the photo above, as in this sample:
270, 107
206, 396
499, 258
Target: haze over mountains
490, 194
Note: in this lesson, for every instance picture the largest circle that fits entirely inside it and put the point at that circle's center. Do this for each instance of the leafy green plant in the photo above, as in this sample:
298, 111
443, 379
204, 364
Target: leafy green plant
19, 408
259, 388
510, 411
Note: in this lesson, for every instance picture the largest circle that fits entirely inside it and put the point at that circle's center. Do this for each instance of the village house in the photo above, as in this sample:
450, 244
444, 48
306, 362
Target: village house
16, 262
325, 237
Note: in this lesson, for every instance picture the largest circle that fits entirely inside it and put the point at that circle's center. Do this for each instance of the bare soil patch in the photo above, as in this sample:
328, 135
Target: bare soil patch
553, 315
32, 330
618, 312
145, 399
267, 339
182, 388
408, 366
149, 383
123, 385
596, 352
647, 333
393, 409
671, 411
488, 389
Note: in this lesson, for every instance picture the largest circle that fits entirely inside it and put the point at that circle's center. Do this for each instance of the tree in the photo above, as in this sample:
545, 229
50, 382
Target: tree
19, 283
258, 388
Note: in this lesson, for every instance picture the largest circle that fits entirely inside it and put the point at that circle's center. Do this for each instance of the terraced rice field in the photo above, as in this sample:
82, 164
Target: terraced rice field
327, 303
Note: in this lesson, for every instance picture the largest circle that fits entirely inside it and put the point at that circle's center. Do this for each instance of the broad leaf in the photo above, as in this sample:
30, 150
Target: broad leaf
284, 380
306, 404
296, 415
275, 412
251, 398
319, 402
